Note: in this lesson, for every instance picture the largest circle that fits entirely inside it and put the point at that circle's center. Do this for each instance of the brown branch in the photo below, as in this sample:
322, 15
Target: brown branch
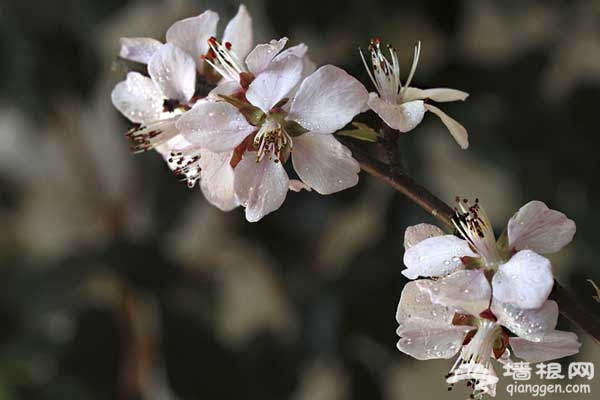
569, 306
404, 184
389, 142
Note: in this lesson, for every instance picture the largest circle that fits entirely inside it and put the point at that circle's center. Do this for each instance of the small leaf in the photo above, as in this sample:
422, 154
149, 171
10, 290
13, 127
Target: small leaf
293, 128
363, 132
254, 115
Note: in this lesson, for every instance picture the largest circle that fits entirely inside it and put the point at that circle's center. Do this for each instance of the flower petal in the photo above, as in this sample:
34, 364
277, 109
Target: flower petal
174, 72
417, 233
192, 34
427, 344
298, 186
298, 50
323, 163
261, 187
238, 32
465, 290
138, 98
525, 281
327, 100
458, 132
540, 229
416, 311
215, 126
556, 344
262, 55
138, 49
275, 83
528, 324
426, 329
402, 117
217, 179
438, 94
436, 256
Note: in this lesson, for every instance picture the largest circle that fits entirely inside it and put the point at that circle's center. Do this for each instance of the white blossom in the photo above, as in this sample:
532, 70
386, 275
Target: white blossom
401, 106
157, 101
453, 315
520, 275
268, 112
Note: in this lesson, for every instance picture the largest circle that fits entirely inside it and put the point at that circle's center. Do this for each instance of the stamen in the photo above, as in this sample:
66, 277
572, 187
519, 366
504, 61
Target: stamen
223, 60
413, 68
272, 141
186, 166
146, 137
475, 227
474, 362
385, 73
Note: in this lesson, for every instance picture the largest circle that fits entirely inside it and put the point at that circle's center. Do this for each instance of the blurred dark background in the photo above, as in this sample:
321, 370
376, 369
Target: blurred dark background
118, 282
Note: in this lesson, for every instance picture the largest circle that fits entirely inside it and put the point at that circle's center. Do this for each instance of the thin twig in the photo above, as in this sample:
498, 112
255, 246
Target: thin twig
404, 184
389, 141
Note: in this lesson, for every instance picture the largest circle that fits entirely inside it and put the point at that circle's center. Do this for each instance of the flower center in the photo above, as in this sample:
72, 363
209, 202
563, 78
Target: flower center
475, 227
386, 74
272, 140
474, 362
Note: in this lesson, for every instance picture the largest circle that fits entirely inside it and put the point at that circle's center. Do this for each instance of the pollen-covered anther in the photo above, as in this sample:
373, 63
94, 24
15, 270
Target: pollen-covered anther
272, 141
223, 59
473, 224
185, 167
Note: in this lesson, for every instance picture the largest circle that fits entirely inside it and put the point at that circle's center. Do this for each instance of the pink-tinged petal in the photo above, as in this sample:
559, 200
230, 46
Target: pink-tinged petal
215, 126
323, 163
226, 88
436, 256
554, 345
426, 329
439, 94
298, 50
528, 324
138, 49
298, 186
402, 117
417, 233
138, 98
261, 187
525, 281
174, 72
416, 311
538, 228
262, 55
238, 32
175, 144
275, 83
217, 179
428, 344
192, 34
327, 100
458, 132
465, 290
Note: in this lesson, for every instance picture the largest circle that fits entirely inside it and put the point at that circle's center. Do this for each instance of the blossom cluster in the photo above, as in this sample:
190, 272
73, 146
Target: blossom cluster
229, 115
267, 105
482, 298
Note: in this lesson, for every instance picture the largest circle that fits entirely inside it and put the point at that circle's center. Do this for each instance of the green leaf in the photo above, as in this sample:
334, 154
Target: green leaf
293, 128
363, 132
254, 115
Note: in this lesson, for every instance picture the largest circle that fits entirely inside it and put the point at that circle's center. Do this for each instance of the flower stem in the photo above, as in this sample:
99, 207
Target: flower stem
569, 306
